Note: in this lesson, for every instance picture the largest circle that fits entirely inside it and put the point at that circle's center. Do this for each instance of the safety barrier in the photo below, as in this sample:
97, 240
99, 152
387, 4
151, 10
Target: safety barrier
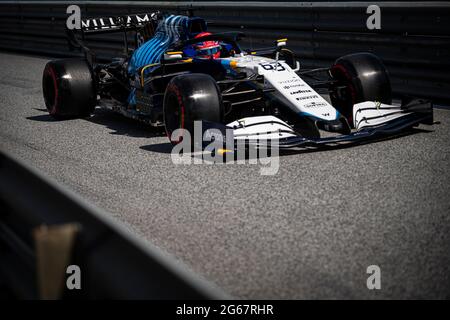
47, 232
414, 39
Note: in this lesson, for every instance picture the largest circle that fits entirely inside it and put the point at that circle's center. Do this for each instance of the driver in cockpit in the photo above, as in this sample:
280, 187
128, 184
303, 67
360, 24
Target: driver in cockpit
204, 50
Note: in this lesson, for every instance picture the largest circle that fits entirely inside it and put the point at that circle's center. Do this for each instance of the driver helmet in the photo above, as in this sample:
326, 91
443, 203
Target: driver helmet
206, 49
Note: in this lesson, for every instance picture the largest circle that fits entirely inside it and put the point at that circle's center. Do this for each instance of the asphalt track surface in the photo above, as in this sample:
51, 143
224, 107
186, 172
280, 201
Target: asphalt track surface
310, 231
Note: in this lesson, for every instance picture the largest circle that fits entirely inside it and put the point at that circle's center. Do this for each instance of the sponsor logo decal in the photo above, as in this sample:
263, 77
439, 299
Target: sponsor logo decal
290, 81
111, 22
292, 86
299, 92
307, 97
315, 105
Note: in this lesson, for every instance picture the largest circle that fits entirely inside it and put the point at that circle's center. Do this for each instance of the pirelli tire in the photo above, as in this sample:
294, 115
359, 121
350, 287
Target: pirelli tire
68, 88
359, 77
189, 98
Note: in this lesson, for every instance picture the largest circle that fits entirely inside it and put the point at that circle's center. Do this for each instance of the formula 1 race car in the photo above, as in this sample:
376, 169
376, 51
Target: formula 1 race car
179, 73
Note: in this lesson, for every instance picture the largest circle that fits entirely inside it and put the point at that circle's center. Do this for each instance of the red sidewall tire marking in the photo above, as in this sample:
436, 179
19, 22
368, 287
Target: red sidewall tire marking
348, 77
340, 69
54, 108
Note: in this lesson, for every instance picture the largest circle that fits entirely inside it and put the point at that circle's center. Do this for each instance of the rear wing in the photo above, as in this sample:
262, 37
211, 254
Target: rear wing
144, 25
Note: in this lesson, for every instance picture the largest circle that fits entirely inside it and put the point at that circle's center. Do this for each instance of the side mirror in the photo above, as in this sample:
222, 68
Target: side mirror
281, 43
173, 56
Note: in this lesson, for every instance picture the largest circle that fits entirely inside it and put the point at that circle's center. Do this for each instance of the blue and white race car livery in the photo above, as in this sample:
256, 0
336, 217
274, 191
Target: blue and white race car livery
178, 73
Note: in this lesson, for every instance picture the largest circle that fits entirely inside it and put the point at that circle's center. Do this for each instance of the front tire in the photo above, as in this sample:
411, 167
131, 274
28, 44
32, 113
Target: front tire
68, 88
359, 77
189, 98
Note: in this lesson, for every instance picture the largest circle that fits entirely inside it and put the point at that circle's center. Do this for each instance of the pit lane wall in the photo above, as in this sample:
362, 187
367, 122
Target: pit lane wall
414, 39
47, 232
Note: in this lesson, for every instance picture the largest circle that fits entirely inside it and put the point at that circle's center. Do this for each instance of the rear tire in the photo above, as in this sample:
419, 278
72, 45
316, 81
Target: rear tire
68, 88
188, 98
363, 77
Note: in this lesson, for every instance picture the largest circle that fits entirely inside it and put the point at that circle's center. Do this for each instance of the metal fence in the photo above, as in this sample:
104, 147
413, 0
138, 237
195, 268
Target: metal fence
414, 39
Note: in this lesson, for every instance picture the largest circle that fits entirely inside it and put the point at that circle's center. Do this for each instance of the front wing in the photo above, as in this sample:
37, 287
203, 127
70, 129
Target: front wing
270, 132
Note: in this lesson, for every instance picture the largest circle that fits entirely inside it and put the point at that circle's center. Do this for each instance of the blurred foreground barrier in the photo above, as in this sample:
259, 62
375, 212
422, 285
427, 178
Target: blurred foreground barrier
414, 39
45, 228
